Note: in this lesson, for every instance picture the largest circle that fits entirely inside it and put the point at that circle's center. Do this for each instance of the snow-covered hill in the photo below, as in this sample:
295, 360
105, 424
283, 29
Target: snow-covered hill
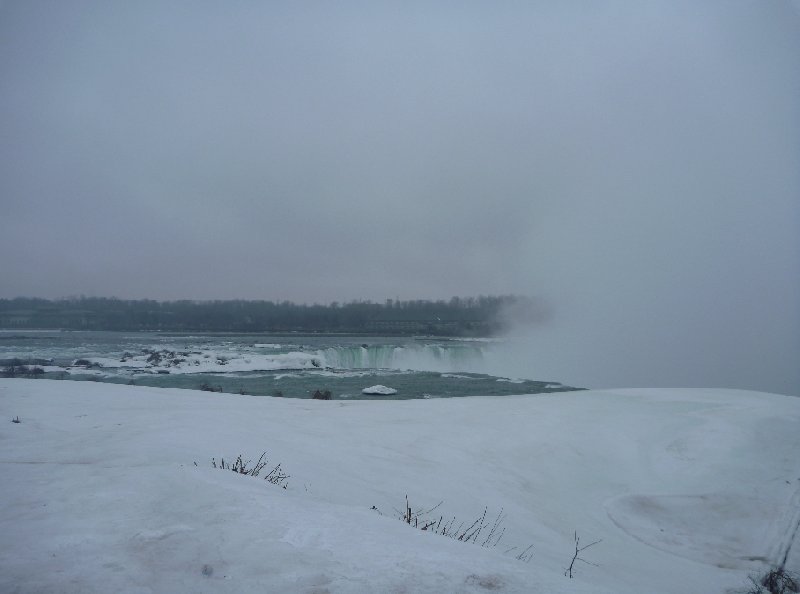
689, 490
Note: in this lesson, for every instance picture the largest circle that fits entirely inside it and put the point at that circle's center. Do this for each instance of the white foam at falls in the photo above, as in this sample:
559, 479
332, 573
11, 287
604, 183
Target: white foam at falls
428, 357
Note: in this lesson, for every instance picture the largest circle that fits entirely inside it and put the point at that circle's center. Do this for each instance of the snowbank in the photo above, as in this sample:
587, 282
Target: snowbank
689, 490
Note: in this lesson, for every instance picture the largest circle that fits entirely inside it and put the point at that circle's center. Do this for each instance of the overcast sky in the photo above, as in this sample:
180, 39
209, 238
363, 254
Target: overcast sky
635, 164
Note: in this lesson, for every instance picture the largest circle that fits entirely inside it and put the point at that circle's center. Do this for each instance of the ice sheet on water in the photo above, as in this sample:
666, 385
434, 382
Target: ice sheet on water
210, 361
457, 376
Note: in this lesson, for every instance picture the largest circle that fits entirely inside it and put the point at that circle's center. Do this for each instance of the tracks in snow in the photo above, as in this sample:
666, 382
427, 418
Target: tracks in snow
780, 551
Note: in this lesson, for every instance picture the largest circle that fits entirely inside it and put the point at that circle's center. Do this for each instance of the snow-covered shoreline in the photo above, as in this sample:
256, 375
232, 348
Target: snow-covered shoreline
688, 489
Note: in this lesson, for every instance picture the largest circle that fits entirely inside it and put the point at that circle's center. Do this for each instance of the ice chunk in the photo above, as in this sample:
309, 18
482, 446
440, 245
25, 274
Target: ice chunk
380, 390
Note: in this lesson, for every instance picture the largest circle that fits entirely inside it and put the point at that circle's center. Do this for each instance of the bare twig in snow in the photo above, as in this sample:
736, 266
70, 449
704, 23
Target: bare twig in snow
577, 557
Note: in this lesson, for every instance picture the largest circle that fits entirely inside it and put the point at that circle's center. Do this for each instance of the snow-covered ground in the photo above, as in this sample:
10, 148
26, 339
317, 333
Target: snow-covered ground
689, 490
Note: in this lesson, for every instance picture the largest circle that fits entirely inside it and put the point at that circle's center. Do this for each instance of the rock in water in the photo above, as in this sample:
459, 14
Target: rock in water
380, 390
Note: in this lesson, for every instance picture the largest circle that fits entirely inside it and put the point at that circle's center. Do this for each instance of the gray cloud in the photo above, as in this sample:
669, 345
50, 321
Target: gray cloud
634, 164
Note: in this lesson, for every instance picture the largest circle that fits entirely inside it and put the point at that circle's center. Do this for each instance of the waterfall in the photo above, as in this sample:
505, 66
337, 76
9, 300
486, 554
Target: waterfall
424, 357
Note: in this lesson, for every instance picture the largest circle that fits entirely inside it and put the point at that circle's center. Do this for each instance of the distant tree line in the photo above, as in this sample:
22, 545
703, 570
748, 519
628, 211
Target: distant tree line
471, 316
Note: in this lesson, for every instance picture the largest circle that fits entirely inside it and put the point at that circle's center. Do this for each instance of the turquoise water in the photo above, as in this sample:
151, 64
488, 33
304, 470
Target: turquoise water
292, 366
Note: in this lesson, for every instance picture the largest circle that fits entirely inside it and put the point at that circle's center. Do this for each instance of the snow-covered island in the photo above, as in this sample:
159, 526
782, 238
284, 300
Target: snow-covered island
379, 390
110, 488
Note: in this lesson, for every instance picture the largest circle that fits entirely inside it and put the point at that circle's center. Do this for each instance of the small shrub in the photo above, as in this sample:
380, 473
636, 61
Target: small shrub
15, 368
276, 476
323, 395
775, 581
481, 531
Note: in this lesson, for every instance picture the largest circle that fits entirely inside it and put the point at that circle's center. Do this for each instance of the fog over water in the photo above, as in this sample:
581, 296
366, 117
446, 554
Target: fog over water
634, 165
